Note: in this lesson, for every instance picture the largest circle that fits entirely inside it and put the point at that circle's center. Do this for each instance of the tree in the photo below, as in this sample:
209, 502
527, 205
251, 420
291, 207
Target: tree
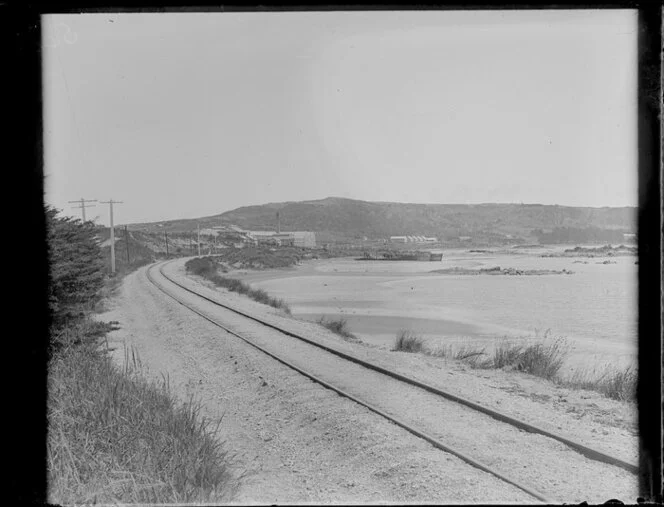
76, 266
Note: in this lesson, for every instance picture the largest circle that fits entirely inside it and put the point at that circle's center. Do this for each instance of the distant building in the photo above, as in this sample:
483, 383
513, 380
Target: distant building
305, 239
259, 234
284, 239
265, 240
629, 237
412, 239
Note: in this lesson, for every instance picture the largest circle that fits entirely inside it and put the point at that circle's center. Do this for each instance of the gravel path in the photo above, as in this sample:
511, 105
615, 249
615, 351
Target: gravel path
299, 442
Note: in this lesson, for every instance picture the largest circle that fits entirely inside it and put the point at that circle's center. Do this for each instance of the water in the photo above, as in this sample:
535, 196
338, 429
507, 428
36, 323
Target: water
594, 309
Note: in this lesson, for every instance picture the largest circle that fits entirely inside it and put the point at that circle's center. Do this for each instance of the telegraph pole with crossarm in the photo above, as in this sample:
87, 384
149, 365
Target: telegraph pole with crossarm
111, 203
82, 205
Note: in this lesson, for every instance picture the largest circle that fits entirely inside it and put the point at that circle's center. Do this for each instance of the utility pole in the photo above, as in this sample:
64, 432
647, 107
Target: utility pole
82, 205
198, 240
166, 239
111, 202
127, 242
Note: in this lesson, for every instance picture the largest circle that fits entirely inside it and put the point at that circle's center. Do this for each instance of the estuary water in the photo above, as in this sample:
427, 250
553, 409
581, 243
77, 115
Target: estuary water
594, 309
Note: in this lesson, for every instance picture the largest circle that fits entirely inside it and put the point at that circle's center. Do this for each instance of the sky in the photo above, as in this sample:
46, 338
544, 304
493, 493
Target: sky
184, 115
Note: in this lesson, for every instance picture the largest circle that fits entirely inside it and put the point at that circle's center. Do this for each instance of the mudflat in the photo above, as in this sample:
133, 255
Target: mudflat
593, 309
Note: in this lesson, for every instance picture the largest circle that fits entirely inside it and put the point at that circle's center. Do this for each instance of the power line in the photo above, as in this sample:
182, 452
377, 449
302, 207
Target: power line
111, 203
82, 205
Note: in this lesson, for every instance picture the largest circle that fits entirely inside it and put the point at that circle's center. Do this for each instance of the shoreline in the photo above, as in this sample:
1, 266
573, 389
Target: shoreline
369, 295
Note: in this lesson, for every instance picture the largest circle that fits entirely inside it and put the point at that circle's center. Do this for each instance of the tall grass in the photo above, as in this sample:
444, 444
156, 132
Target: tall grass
540, 359
544, 359
407, 341
115, 438
338, 326
612, 382
207, 268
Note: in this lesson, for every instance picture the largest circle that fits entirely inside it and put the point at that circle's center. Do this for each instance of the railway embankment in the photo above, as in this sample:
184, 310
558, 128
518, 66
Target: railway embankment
556, 406
583, 415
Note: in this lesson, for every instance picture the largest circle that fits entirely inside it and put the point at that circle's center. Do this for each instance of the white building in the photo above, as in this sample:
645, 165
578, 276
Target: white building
412, 239
306, 239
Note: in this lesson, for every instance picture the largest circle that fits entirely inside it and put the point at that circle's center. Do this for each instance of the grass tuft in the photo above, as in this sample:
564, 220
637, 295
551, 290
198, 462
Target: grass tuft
407, 341
338, 326
539, 359
472, 355
614, 383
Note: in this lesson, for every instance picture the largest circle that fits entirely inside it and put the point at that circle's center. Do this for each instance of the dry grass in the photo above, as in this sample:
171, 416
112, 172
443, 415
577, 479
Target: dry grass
612, 382
543, 358
115, 438
207, 268
338, 326
407, 341
540, 359
473, 355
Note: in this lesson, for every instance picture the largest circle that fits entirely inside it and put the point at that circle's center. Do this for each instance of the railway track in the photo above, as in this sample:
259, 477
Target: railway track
434, 440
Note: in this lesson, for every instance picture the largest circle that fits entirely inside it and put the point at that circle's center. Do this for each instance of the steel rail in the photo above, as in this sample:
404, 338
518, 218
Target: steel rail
399, 422
586, 451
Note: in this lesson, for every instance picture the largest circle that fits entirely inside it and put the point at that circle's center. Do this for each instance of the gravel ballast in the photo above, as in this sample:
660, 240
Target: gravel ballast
299, 442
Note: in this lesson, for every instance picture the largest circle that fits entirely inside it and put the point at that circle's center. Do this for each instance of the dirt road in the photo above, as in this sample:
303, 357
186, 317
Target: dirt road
299, 442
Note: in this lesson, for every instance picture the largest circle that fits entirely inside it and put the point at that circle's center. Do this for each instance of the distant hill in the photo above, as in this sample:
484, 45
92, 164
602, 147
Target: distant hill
338, 218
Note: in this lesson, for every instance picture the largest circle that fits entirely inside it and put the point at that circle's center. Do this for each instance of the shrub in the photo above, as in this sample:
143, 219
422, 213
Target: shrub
202, 266
407, 341
76, 267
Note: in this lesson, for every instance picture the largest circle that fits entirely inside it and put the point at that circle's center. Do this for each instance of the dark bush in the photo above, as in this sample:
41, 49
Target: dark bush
77, 271
202, 266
